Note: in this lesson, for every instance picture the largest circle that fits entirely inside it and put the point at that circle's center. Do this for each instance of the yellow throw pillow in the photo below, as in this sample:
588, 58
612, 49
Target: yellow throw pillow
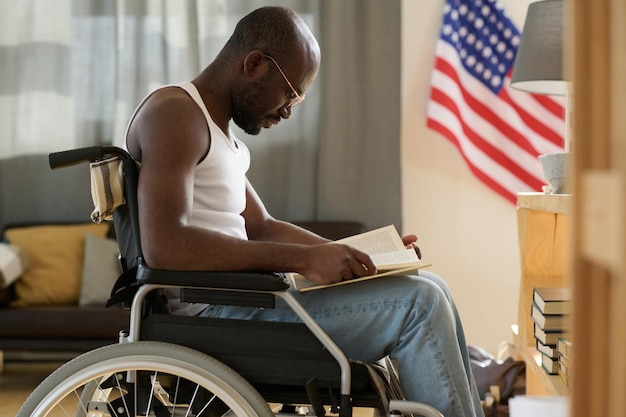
55, 262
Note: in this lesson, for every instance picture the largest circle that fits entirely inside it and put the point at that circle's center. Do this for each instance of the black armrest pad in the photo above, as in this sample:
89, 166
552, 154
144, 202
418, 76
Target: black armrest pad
254, 281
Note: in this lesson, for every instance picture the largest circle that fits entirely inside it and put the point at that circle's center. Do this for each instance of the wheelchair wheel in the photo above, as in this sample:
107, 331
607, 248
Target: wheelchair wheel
144, 379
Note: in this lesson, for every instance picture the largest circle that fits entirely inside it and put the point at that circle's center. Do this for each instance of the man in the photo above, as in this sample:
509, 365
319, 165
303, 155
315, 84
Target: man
198, 211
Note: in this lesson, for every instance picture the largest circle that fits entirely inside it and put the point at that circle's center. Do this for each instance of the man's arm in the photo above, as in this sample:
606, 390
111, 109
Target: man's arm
260, 225
328, 259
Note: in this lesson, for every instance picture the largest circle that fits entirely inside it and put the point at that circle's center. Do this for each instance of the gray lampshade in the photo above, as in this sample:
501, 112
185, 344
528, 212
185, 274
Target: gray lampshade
539, 63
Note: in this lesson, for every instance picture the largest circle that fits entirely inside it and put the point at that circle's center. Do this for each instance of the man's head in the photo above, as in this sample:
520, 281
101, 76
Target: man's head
276, 59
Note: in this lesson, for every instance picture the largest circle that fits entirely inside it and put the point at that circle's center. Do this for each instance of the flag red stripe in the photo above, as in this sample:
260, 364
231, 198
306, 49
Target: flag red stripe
552, 106
482, 176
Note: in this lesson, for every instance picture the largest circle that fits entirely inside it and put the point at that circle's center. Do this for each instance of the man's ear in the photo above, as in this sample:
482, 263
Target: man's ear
254, 63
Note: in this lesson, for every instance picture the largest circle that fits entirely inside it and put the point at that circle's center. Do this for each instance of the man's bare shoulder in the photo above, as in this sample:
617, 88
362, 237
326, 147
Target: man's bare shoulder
169, 99
168, 119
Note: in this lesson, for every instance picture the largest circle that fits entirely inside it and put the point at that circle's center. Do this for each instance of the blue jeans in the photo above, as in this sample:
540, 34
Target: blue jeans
411, 319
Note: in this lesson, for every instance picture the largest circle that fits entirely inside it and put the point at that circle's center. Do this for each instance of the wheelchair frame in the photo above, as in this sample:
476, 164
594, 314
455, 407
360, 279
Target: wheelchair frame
106, 379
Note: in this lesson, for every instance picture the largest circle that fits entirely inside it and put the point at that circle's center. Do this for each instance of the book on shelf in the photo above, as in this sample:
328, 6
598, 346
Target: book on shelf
564, 347
385, 247
550, 365
549, 321
553, 300
548, 350
565, 362
564, 351
548, 337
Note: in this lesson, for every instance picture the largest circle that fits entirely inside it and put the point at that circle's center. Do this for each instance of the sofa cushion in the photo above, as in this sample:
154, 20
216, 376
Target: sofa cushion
100, 270
54, 255
11, 264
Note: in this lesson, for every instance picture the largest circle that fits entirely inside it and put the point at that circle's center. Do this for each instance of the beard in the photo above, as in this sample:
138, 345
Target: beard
247, 102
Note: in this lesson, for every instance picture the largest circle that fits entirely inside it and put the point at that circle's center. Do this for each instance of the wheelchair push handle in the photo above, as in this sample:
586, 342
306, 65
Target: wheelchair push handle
88, 154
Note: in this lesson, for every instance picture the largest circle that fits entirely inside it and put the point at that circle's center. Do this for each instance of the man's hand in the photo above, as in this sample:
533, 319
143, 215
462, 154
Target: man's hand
409, 242
330, 263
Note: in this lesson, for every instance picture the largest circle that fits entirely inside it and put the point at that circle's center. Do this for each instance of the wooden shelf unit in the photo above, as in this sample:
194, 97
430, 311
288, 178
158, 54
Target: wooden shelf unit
543, 226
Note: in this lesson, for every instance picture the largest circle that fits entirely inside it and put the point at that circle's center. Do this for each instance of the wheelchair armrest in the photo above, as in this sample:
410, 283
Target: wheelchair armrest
233, 280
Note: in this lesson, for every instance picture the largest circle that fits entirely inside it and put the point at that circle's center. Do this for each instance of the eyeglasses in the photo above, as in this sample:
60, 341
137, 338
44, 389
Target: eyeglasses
295, 98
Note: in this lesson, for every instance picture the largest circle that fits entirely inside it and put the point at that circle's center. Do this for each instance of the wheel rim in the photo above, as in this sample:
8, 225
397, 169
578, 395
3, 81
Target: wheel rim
161, 367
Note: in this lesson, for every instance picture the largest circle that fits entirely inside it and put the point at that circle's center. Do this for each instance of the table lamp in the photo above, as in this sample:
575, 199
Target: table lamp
538, 69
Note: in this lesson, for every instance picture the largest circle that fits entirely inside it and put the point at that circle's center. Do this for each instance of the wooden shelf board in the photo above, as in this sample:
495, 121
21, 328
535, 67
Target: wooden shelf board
553, 203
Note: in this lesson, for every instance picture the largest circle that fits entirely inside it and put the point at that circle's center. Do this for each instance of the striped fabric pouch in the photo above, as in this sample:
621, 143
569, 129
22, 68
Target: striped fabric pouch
107, 188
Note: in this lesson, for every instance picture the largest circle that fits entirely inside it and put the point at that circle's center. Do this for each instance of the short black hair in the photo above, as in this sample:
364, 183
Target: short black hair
271, 29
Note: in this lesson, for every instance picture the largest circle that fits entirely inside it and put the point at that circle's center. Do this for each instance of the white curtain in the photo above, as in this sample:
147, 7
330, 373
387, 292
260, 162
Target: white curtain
36, 106
72, 71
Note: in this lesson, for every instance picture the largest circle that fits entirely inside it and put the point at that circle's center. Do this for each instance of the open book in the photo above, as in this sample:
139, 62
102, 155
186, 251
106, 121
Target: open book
385, 247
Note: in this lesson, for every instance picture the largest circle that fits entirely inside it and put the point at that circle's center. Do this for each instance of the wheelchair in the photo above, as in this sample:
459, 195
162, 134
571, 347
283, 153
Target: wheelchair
168, 365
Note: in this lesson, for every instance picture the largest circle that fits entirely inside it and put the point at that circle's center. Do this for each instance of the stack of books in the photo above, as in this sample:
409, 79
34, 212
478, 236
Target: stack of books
551, 312
564, 350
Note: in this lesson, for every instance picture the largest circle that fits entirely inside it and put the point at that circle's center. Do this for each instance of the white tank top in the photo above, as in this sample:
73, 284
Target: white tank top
219, 192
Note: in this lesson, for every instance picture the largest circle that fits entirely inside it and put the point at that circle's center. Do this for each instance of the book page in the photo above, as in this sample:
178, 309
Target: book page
396, 259
382, 240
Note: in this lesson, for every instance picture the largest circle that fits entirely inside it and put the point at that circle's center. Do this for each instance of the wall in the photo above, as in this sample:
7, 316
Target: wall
465, 230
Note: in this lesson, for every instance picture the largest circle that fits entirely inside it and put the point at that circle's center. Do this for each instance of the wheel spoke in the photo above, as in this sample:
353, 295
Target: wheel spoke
117, 378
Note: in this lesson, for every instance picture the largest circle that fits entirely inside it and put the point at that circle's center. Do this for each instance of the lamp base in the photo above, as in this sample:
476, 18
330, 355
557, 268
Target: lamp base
556, 167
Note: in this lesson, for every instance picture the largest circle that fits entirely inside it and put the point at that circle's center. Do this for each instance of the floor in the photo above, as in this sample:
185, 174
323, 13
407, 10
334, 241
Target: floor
17, 382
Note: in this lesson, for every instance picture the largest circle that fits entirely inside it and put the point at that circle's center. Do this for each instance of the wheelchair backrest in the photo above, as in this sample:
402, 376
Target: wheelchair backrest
126, 217
126, 223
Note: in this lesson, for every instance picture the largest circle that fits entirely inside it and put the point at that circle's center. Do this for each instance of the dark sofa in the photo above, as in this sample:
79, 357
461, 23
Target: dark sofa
33, 195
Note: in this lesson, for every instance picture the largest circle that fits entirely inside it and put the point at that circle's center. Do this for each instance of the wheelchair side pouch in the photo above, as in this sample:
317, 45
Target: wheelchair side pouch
107, 187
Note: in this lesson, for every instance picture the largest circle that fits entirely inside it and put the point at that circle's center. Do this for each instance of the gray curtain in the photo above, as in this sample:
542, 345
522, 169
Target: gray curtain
359, 164
73, 71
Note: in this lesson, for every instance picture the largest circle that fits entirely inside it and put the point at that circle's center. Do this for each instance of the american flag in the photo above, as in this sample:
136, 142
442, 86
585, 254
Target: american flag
499, 131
